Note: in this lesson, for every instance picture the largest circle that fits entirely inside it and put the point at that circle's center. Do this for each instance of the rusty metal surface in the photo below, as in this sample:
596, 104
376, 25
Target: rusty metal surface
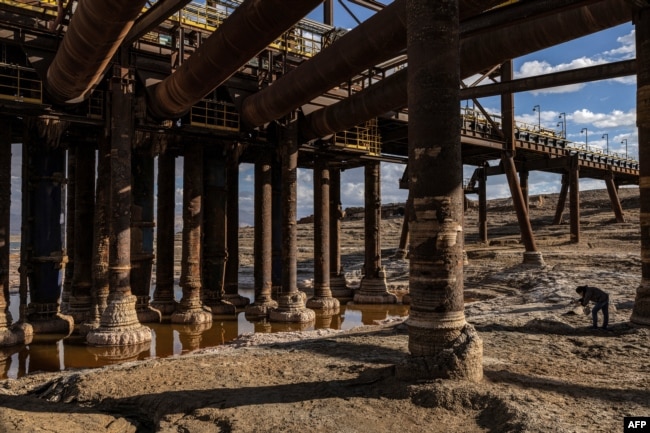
164, 292
372, 219
263, 229
250, 28
101, 237
69, 232
336, 214
289, 149
232, 219
477, 53
561, 201
190, 279
5, 218
613, 198
95, 33
321, 228
142, 223
574, 200
379, 38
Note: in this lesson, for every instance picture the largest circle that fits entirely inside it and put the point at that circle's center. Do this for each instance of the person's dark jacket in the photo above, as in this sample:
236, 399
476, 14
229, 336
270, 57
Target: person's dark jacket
593, 294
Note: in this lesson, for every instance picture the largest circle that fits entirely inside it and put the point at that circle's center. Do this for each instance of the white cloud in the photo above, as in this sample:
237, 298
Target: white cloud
615, 118
627, 50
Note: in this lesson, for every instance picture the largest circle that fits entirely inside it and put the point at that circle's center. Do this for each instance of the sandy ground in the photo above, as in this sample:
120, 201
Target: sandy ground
544, 369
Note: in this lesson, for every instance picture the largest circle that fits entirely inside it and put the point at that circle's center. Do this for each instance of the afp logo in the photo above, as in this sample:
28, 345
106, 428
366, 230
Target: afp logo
638, 424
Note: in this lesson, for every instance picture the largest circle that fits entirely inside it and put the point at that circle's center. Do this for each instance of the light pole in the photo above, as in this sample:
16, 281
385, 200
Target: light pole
539, 117
625, 141
586, 137
606, 137
563, 123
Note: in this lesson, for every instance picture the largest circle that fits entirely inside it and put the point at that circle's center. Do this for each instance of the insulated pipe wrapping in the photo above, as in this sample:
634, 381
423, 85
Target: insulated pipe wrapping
477, 53
379, 38
251, 28
96, 31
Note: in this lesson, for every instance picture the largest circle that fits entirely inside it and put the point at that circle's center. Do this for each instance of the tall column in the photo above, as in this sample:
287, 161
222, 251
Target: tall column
101, 238
46, 160
613, 197
232, 223
119, 324
531, 255
69, 228
163, 295
523, 182
482, 206
441, 342
561, 200
338, 285
402, 249
190, 308
291, 302
263, 243
20, 333
641, 310
574, 200
214, 250
373, 288
142, 225
322, 299
80, 303
276, 225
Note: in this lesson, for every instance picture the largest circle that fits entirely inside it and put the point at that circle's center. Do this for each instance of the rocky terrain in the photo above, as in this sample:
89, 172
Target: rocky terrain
544, 369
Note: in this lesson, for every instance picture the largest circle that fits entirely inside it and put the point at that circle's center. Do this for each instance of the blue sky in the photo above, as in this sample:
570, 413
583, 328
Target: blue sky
604, 107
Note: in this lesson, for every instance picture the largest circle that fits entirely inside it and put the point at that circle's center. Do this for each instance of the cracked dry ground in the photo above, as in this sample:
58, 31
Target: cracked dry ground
544, 370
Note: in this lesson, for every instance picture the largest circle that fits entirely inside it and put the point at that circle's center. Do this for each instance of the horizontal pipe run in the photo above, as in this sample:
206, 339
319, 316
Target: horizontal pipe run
96, 31
251, 27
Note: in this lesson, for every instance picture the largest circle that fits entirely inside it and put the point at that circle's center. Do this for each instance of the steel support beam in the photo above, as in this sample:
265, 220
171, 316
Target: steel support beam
156, 14
561, 201
613, 197
482, 206
574, 200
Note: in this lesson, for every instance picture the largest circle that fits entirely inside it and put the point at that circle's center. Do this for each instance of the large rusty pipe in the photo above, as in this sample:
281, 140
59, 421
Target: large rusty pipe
96, 31
477, 53
379, 38
251, 28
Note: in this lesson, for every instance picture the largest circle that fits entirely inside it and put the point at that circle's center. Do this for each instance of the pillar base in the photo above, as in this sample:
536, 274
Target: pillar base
79, 308
374, 291
54, 324
20, 333
291, 308
223, 308
149, 315
462, 359
119, 324
330, 305
166, 308
641, 309
340, 289
533, 258
256, 311
194, 316
237, 300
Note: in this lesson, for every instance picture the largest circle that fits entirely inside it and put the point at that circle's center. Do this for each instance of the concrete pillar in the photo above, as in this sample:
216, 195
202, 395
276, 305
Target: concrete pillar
276, 226
373, 288
214, 250
69, 228
119, 324
338, 285
80, 301
232, 222
441, 343
190, 308
291, 302
163, 295
322, 299
574, 200
263, 243
142, 225
101, 239
641, 309
45, 174
482, 206
20, 333
612, 191
561, 200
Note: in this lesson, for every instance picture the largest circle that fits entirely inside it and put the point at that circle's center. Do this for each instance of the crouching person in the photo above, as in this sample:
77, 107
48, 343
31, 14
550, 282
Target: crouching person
600, 298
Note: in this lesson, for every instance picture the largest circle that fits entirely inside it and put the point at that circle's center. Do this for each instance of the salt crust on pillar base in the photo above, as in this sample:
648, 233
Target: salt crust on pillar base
20, 333
330, 304
194, 316
373, 290
461, 360
119, 324
223, 308
259, 310
57, 324
166, 308
533, 258
149, 315
641, 309
291, 308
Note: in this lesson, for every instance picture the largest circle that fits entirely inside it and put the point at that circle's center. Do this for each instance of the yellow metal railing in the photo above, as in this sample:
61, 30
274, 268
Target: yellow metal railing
209, 113
20, 84
364, 138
